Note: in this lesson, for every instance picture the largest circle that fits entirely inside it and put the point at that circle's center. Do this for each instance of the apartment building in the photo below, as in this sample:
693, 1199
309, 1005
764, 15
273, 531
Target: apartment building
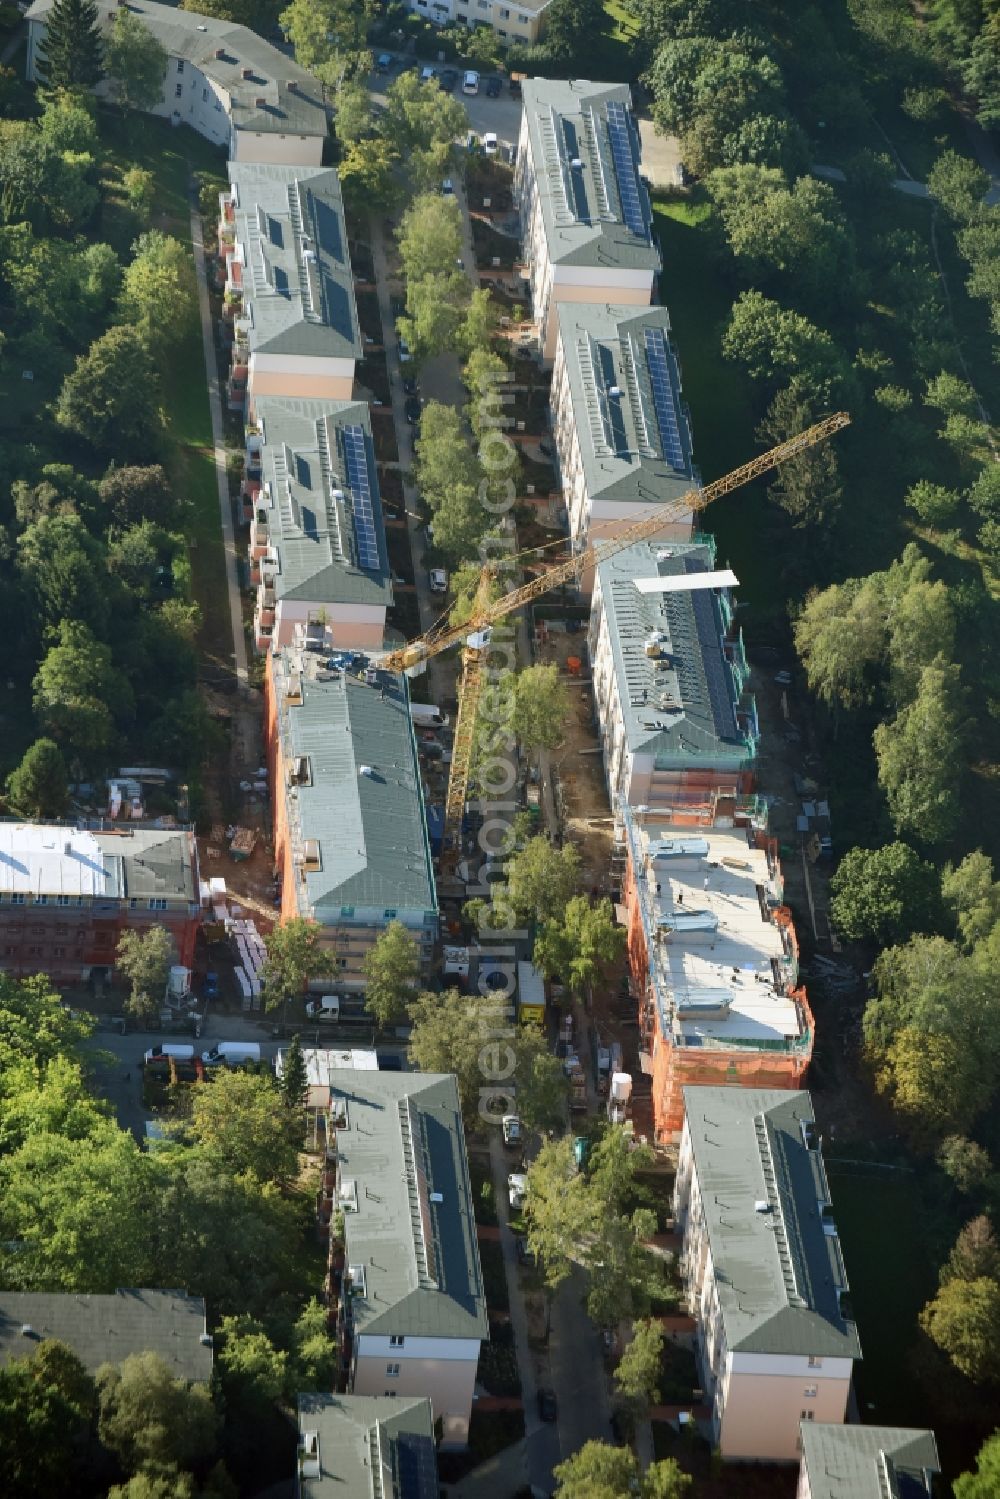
762, 1270
411, 1308
622, 433
354, 1447
67, 893
223, 80
512, 22
676, 717
289, 286
350, 832
714, 957
866, 1462
317, 551
106, 1329
586, 220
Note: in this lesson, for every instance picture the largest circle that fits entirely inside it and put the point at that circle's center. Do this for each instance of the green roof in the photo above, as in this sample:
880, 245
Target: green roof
680, 706
589, 193
779, 1273
347, 1437
363, 801
297, 273
868, 1462
412, 1239
296, 110
311, 522
107, 1329
626, 456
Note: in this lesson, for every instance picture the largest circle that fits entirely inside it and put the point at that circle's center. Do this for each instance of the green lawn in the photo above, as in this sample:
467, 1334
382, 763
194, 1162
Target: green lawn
616, 46
172, 155
699, 298
878, 1216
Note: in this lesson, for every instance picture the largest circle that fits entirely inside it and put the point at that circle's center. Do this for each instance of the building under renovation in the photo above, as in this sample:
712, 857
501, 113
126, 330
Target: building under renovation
714, 958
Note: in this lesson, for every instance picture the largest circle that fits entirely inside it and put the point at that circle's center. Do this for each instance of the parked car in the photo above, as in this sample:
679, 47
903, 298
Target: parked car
470, 83
517, 1189
231, 1054
548, 1406
438, 579
511, 1130
448, 79
409, 385
211, 986
326, 1009
493, 88
411, 409
427, 73
448, 187
524, 1253
490, 143
404, 349
383, 62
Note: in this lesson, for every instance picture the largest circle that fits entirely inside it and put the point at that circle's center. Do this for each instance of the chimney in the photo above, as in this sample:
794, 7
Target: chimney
220, 53
293, 86
260, 102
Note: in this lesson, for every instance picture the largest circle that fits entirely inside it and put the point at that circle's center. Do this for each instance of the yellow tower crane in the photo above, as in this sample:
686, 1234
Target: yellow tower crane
485, 612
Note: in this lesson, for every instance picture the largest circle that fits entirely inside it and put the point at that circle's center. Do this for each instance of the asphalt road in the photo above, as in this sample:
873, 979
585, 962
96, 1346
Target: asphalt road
501, 115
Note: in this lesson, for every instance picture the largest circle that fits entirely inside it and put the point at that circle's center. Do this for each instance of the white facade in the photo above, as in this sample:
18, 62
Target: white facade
510, 21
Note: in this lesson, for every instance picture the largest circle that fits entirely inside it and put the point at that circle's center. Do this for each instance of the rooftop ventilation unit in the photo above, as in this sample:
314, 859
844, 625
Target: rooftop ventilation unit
367, 770
762, 1205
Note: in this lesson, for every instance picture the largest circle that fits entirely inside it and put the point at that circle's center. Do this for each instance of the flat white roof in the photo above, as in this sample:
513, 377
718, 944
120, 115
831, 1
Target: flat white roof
40, 859
324, 1061
715, 953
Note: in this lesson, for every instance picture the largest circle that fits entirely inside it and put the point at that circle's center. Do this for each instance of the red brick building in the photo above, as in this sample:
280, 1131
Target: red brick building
67, 893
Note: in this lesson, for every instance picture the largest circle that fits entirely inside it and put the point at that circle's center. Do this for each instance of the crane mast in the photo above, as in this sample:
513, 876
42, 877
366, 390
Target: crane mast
484, 613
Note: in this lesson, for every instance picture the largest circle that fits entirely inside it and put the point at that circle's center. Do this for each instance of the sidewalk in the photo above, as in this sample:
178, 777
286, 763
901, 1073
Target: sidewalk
219, 442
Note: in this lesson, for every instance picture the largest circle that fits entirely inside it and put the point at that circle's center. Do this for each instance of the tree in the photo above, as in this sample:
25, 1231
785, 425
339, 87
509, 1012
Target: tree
975, 1255
295, 955
294, 1076
165, 1481
598, 1471
158, 297
110, 398
353, 119
66, 568
638, 1372
421, 124
35, 1025
806, 487
929, 1084
984, 1483
972, 896
429, 236
148, 1417
250, 1366
963, 1320
243, 1123
144, 957
460, 522
313, 1360
452, 1032
541, 1084
776, 346
136, 62
328, 37
443, 456
560, 1213
919, 756
542, 879
71, 53
573, 29
840, 639
75, 691
581, 945
140, 192
958, 183
67, 124
39, 787
968, 1165
392, 970
932, 503
542, 707
435, 308
884, 895
132, 494
367, 176
46, 1406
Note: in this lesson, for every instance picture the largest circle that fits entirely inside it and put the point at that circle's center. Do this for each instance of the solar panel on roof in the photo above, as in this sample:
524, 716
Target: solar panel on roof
664, 400
625, 169
417, 1466
356, 461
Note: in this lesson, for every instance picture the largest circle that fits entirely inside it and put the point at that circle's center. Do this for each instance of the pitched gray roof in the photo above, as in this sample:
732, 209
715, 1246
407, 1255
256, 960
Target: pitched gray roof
681, 706
107, 1329
582, 182
414, 1234
297, 273
626, 455
370, 828
298, 109
778, 1271
312, 520
868, 1462
345, 1434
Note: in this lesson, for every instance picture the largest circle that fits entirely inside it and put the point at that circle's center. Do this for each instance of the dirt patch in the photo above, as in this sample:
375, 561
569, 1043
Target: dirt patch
384, 436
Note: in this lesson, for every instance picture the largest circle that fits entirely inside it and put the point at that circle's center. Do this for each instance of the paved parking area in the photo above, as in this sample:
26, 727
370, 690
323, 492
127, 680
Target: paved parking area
501, 115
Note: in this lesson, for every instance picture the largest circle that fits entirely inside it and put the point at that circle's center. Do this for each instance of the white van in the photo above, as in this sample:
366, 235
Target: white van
428, 716
175, 1049
470, 83
326, 1009
231, 1054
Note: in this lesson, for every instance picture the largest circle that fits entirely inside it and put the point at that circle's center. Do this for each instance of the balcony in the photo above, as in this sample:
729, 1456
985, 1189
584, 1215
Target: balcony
259, 537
